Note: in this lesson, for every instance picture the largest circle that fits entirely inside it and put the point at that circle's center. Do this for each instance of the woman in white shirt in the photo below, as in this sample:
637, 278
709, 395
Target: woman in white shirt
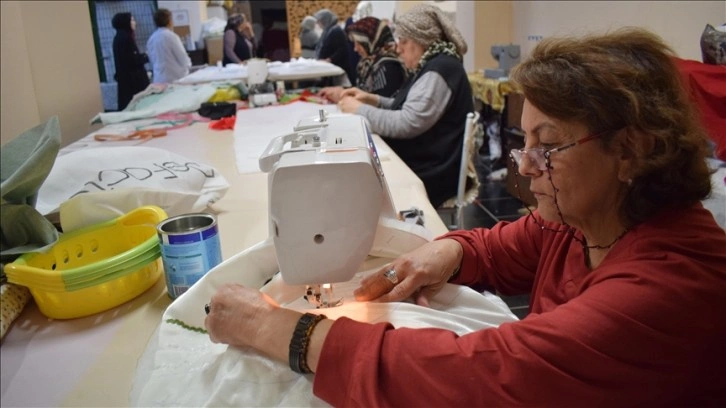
169, 60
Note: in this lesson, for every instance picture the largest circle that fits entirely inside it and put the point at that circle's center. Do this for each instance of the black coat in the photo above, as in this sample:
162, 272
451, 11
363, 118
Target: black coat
130, 71
241, 49
334, 45
435, 155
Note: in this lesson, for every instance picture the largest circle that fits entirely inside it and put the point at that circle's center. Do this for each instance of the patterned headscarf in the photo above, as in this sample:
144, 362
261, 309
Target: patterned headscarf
376, 38
427, 24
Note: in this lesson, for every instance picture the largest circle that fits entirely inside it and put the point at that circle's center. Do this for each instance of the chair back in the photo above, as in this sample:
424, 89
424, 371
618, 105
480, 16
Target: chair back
455, 205
467, 151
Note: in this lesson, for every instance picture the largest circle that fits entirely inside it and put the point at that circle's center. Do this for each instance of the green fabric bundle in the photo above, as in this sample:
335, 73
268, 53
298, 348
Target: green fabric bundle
25, 162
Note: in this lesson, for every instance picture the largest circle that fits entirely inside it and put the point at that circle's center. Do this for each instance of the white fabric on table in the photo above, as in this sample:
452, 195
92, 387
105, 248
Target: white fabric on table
97, 184
158, 100
293, 70
182, 367
255, 128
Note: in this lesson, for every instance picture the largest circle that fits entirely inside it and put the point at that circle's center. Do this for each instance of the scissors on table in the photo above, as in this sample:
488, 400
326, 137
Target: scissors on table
140, 135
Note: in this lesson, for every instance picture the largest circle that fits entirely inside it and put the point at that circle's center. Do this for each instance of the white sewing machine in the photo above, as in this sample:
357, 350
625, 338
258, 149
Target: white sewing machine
261, 91
329, 202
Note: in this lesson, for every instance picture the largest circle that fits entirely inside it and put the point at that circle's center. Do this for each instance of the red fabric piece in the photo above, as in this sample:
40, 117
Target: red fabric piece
223, 124
645, 328
707, 86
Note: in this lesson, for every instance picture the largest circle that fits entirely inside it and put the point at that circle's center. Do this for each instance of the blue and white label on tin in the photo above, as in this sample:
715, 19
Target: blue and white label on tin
187, 257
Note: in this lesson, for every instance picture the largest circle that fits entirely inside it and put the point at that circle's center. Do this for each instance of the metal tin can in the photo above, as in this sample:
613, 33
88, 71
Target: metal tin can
189, 249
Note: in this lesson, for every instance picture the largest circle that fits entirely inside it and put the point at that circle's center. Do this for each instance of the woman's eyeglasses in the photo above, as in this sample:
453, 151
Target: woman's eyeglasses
540, 157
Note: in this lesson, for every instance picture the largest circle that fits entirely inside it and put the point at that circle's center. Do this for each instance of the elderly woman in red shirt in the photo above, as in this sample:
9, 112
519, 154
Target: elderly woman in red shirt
626, 269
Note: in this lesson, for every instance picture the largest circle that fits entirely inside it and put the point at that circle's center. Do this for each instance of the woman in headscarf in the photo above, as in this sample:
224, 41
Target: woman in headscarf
239, 40
424, 122
380, 71
308, 37
333, 45
131, 74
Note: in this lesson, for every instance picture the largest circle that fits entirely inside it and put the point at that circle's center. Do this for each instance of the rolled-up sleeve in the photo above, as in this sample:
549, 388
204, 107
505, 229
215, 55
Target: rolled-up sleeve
425, 103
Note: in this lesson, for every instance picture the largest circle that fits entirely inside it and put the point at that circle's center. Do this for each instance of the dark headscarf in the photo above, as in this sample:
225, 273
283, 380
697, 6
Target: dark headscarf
122, 21
377, 39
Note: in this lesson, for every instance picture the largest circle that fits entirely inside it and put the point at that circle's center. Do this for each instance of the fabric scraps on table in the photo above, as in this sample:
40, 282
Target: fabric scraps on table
223, 124
306, 96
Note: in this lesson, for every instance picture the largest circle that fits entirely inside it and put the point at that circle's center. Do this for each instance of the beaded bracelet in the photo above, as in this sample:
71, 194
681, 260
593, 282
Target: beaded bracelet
300, 341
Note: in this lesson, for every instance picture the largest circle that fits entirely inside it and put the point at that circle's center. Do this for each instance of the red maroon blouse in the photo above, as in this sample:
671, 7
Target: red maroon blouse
645, 328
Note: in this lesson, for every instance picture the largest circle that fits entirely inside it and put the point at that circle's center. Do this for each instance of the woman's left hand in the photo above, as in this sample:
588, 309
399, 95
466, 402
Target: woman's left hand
418, 274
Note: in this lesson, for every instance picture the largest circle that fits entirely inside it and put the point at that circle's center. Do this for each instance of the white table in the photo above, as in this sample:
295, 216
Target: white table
295, 70
91, 361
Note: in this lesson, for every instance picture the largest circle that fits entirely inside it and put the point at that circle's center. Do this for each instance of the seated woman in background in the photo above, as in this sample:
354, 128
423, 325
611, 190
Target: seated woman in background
333, 46
625, 268
380, 71
239, 40
424, 122
308, 37
131, 75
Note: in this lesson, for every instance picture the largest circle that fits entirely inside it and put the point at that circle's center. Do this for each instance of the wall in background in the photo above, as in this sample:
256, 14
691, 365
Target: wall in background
17, 92
493, 26
52, 70
680, 23
48, 68
197, 15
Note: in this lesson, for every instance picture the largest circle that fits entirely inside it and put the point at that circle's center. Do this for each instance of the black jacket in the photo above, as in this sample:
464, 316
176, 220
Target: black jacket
435, 155
334, 45
131, 74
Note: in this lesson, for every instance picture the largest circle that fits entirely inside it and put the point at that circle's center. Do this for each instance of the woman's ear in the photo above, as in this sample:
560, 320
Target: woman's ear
632, 147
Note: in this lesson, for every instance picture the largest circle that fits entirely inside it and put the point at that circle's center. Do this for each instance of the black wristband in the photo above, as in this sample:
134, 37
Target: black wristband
300, 340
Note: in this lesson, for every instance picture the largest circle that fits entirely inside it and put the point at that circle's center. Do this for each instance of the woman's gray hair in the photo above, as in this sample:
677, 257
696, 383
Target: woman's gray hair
308, 23
426, 24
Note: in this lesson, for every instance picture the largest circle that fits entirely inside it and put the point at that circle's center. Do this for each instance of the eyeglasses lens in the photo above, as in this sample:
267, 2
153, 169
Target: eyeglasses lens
535, 156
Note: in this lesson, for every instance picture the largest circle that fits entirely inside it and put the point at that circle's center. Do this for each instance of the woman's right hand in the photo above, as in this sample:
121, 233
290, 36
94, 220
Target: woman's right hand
363, 96
421, 274
246, 29
332, 93
236, 313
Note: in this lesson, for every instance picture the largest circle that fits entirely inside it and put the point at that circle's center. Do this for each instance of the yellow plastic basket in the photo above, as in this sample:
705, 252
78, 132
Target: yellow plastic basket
95, 268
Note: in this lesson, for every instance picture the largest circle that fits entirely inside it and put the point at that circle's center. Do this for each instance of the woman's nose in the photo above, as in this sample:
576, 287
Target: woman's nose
528, 166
